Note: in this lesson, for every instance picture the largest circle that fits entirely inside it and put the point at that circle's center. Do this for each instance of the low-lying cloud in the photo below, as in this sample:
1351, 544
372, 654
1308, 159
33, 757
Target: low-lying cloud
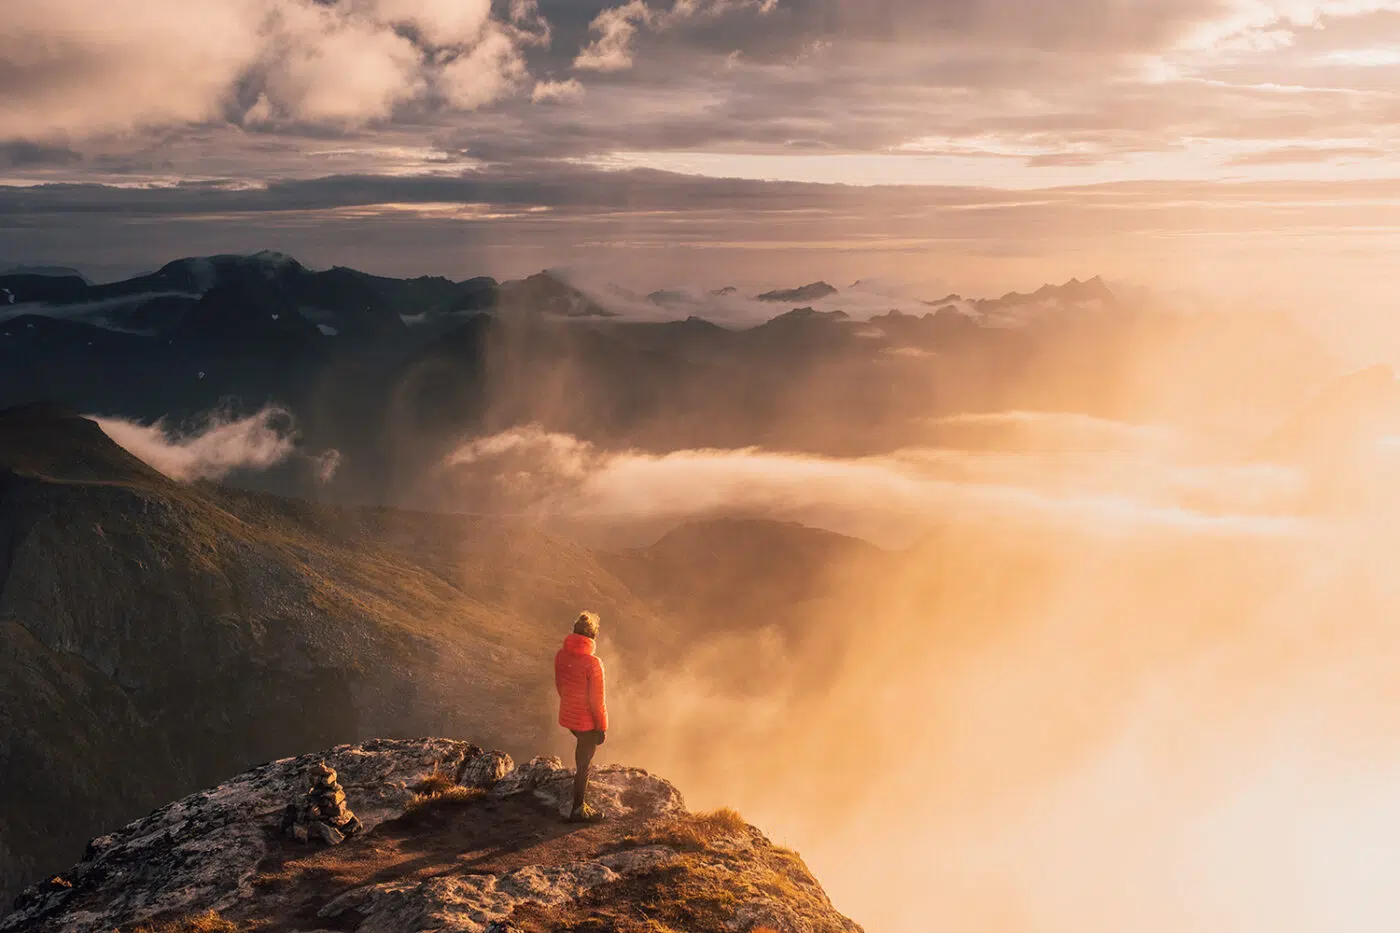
105, 314
218, 445
891, 499
729, 306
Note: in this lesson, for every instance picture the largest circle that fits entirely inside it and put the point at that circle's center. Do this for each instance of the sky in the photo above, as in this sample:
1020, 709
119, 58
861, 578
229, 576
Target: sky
1248, 148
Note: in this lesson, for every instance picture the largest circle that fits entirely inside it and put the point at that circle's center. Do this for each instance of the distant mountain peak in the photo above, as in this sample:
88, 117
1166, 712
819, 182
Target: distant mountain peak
38, 411
665, 296
47, 438
273, 257
199, 274
803, 315
46, 271
813, 292
1076, 290
1072, 292
1344, 414
546, 292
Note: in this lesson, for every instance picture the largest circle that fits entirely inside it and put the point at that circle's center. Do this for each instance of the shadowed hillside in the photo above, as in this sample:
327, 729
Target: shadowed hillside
158, 635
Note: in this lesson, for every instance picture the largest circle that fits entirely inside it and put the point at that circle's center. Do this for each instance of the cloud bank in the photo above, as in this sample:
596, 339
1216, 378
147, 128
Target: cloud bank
74, 69
217, 446
1083, 473
1047, 715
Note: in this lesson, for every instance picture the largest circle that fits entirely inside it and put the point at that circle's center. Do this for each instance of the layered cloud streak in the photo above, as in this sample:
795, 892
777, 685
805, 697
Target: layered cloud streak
1061, 471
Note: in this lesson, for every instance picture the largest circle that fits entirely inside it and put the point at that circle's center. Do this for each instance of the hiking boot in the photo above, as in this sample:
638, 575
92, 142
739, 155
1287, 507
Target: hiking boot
585, 814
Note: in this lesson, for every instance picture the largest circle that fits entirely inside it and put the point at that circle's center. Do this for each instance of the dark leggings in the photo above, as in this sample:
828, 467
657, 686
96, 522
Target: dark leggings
588, 743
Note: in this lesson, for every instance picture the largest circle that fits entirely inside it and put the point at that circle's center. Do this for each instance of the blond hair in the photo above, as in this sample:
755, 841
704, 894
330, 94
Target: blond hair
587, 624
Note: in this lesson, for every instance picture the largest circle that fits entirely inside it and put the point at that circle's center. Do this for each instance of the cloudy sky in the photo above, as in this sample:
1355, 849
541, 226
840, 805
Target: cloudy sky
1246, 146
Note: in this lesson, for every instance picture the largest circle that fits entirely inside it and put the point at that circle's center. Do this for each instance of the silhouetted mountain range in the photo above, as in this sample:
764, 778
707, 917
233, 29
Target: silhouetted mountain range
812, 292
393, 372
28, 269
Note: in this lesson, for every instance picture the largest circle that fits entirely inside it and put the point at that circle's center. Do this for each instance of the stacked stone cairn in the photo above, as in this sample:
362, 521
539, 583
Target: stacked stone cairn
321, 816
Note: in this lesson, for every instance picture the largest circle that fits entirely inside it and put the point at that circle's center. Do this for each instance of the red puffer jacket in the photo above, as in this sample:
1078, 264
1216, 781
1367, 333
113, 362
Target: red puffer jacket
578, 676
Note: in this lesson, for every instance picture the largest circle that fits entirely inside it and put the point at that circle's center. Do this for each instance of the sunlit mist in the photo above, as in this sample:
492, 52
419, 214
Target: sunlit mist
1099, 675
1099, 629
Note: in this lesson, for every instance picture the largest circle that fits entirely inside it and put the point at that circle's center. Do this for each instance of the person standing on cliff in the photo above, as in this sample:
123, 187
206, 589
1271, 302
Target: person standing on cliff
583, 708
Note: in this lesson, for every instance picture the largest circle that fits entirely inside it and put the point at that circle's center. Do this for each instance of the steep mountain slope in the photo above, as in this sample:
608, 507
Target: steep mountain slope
183, 632
722, 575
483, 850
1346, 414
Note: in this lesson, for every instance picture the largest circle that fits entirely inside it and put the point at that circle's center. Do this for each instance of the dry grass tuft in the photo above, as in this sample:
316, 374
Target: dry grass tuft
434, 784
694, 832
207, 922
698, 892
453, 796
724, 820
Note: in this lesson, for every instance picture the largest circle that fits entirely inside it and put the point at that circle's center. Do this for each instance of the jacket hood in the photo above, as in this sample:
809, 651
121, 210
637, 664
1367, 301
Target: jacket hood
578, 644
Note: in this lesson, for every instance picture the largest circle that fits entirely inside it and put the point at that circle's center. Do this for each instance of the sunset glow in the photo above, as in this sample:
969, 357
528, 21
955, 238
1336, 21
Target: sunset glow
1245, 148
975, 421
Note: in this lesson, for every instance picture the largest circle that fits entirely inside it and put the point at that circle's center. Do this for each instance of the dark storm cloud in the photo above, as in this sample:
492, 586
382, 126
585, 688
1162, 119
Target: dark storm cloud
555, 186
21, 153
578, 191
1115, 26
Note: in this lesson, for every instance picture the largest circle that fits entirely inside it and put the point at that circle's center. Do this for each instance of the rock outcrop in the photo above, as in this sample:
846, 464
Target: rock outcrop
454, 838
321, 815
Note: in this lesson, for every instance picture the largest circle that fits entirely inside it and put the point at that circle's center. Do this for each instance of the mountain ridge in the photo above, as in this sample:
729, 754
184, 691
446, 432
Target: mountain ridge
453, 837
170, 627
340, 287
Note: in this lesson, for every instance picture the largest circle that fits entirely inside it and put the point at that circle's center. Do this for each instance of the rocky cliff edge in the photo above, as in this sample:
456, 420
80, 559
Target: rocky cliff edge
440, 835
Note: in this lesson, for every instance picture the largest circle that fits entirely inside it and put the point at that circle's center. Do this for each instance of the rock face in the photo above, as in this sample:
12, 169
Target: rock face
615, 790
486, 853
200, 852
